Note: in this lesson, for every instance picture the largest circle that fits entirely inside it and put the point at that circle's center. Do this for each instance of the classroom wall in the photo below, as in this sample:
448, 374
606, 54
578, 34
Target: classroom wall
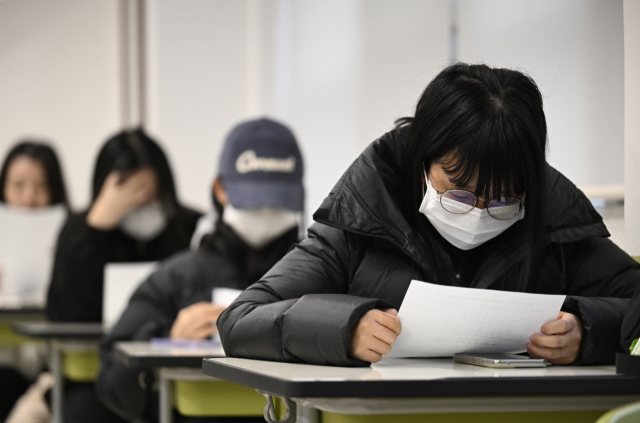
574, 51
59, 80
338, 71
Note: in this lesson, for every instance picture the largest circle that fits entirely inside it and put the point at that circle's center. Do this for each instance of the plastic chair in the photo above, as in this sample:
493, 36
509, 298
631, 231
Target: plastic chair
523, 417
626, 414
216, 399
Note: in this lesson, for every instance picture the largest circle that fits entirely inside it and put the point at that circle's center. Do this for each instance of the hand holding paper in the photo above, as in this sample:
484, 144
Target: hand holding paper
560, 341
374, 334
439, 321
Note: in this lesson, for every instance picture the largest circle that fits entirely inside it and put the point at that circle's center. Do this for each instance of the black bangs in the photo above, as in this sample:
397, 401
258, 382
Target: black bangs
492, 164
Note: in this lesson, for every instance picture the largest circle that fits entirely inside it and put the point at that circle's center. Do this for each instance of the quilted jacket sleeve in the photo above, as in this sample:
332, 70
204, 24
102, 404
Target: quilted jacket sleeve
601, 279
300, 310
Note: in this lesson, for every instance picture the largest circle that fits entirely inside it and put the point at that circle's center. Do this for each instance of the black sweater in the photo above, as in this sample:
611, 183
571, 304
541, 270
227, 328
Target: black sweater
75, 292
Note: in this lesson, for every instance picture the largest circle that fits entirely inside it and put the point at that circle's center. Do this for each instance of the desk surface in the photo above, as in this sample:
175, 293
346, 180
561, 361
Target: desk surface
419, 378
21, 313
59, 330
166, 354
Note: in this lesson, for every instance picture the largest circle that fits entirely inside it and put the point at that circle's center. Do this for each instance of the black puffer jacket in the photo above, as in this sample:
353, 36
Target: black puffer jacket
362, 253
184, 279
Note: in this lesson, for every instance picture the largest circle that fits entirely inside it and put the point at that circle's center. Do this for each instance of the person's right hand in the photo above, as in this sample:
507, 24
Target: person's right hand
373, 335
119, 195
198, 321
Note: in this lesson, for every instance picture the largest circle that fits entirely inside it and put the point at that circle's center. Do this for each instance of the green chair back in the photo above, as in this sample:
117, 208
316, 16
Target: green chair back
625, 414
8, 338
524, 417
80, 366
216, 398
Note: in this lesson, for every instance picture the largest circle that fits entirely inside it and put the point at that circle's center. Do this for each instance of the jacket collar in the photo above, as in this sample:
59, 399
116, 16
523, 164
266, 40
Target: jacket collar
367, 201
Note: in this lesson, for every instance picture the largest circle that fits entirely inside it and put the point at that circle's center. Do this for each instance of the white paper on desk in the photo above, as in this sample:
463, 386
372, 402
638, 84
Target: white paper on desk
439, 321
27, 246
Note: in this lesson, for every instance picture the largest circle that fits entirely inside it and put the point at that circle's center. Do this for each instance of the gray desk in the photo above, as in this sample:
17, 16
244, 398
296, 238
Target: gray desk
62, 337
174, 361
421, 386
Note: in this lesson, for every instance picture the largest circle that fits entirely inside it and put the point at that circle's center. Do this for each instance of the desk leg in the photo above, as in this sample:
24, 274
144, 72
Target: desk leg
57, 402
166, 409
307, 414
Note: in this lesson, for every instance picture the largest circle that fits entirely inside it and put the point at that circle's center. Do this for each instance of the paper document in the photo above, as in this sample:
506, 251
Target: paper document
439, 321
224, 296
27, 247
120, 282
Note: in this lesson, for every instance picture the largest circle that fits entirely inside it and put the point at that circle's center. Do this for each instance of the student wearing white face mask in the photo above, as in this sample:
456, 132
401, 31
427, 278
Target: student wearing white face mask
258, 200
460, 194
134, 216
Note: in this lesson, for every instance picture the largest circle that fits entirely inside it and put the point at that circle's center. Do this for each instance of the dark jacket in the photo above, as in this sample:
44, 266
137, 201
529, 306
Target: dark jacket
75, 292
181, 281
362, 253
631, 323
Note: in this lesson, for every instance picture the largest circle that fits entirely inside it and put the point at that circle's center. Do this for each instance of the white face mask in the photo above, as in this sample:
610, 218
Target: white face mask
464, 231
145, 222
259, 226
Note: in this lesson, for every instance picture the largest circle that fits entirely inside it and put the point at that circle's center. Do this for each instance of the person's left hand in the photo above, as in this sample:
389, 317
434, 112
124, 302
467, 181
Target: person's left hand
560, 342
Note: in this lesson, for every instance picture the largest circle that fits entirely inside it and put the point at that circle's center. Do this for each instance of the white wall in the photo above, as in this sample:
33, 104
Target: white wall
197, 85
338, 72
632, 123
574, 51
59, 80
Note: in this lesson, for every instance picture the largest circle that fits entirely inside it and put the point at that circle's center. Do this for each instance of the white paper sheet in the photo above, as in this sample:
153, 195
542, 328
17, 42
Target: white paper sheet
439, 321
120, 282
27, 247
224, 296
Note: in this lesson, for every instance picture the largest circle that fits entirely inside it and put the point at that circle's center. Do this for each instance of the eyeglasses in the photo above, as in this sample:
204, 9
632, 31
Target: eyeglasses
460, 201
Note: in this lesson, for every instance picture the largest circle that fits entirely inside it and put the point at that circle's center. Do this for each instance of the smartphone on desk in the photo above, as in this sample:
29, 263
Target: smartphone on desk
503, 361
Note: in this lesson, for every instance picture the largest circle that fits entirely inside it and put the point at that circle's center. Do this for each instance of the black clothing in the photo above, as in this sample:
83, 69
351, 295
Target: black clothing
181, 281
631, 322
362, 253
75, 292
13, 385
81, 405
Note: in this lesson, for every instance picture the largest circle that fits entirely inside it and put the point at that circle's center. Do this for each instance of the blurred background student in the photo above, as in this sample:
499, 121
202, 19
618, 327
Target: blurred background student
258, 198
30, 178
134, 216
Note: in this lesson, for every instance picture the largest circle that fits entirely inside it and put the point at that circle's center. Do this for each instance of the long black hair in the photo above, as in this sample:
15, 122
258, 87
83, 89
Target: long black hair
132, 150
45, 154
487, 123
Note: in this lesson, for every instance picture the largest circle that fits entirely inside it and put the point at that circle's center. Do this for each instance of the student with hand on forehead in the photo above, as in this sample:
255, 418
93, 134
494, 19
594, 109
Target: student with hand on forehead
134, 216
460, 195
258, 198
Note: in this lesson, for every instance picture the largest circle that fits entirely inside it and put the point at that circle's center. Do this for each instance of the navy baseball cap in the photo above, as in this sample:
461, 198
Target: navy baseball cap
261, 165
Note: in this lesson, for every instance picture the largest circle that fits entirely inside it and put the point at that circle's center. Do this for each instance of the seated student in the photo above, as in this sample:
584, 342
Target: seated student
30, 178
134, 216
258, 197
460, 195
